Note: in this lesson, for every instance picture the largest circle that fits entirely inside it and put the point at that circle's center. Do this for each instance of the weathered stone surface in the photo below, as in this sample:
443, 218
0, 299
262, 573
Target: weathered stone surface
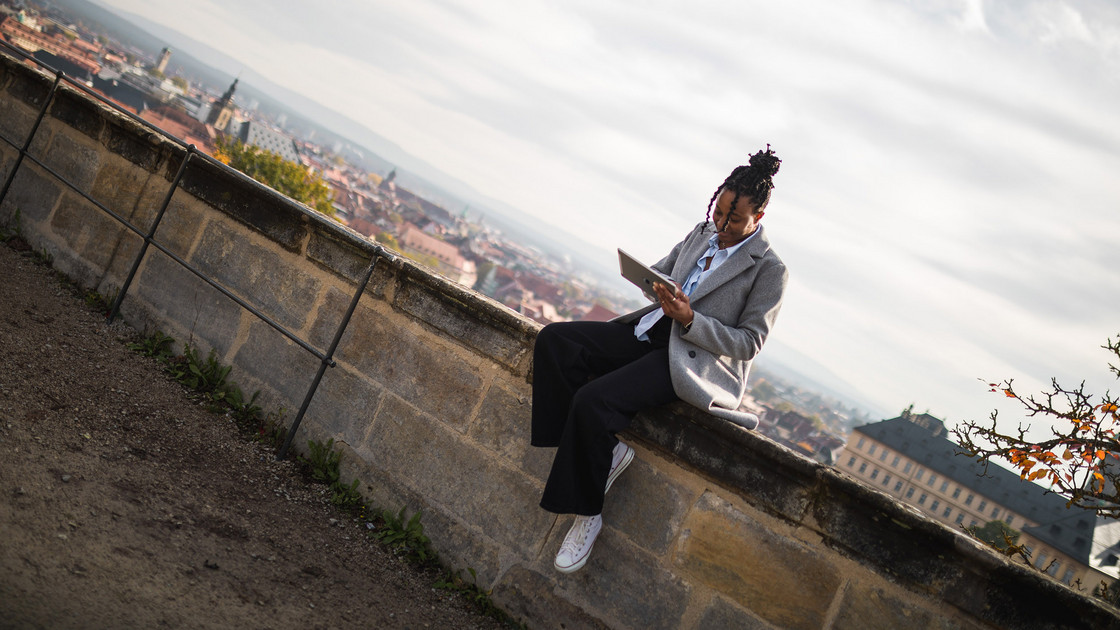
91, 233
503, 425
120, 187
869, 525
29, 86
188, 307
624, 585
78, 111
647, 505
76, 162
866, 608
180, 225
463, 316
723, 614
128, 140
434, 461
776, 577
344, 404
252, 203
413, 364
768, 475
16, 120
526, 594
278, 362
342, 253
33, 194
258, 274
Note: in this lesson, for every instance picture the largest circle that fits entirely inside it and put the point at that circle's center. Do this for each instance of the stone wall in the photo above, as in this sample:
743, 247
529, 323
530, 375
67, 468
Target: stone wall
712, 526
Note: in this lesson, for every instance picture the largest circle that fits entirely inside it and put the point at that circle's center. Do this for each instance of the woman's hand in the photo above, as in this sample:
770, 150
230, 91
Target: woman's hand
673, 302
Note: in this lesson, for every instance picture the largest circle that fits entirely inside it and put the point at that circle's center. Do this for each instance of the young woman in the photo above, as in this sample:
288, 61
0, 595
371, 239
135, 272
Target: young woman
696, 344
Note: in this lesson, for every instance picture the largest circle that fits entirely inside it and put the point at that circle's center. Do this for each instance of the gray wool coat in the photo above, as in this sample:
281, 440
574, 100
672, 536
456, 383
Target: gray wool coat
734, 309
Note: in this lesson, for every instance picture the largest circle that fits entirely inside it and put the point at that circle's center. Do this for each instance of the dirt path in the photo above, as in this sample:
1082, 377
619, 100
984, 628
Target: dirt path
124, 504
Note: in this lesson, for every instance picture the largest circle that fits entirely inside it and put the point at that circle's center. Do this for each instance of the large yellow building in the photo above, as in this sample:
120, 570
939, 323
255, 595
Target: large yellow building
911, 459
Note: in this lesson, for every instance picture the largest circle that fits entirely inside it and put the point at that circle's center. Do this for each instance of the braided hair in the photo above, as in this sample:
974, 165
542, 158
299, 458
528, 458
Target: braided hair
754, 181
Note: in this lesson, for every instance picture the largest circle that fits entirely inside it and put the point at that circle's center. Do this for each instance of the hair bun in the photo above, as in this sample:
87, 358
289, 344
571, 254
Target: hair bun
766, 162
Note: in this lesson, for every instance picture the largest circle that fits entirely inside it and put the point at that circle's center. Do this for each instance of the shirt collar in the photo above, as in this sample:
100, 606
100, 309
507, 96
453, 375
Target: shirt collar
713, 242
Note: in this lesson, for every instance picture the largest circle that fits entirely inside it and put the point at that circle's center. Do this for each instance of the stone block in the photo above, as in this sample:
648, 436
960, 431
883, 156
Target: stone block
91, 233
625, 586
249, 202
342, 253
120, 186
648, 506
29, 86
419, 367
434, 461
181, 223
464, 316
764, 473
724, 614
344, 404
529, 596
139, 146
188, 309
78, 111
277, 362
885, 535
503, 425
33, 194
16, 121
865, 608
76, 162
275, 284
776, 577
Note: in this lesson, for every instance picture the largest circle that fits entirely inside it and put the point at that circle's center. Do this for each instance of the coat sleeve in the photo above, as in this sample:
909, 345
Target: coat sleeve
762, 302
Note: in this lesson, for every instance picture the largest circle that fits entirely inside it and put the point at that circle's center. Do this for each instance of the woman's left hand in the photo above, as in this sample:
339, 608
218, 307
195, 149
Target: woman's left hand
674, 302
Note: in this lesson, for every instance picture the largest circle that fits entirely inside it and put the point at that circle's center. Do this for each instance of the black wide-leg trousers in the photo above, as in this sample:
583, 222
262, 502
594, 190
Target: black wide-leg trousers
589, 381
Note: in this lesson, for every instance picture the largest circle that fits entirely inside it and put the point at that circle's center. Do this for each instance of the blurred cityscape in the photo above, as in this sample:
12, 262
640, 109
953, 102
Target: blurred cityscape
459, 244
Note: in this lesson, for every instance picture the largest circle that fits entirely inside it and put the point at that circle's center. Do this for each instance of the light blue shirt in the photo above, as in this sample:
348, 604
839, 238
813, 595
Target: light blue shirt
695, 277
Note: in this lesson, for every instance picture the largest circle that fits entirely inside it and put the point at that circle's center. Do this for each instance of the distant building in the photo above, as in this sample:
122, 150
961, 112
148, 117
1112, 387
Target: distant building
221, 112
164, 56
910, 458
450, 262
256, 134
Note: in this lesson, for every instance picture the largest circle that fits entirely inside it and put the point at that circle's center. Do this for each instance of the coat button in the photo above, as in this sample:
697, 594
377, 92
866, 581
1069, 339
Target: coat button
692, 354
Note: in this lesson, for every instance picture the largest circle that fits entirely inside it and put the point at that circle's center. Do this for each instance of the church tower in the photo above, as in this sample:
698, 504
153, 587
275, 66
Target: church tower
222, 110
164, 56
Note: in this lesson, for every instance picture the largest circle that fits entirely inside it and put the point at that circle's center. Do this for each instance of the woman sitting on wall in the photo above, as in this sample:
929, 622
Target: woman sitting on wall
696, 344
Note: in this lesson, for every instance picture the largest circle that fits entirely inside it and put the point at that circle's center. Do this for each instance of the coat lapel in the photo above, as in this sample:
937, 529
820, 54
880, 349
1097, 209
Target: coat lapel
743, 259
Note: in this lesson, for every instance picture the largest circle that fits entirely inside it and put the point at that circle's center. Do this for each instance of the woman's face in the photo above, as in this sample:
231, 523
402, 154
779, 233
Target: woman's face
734, 224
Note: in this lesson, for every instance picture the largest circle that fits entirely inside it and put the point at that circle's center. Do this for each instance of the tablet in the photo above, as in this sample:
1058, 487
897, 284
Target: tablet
641, 275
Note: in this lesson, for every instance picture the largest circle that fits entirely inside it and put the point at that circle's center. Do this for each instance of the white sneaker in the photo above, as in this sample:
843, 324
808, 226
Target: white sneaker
623, 455
577, 545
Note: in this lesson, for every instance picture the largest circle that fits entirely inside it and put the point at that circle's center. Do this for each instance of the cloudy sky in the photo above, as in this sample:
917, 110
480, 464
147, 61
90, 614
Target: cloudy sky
949, 195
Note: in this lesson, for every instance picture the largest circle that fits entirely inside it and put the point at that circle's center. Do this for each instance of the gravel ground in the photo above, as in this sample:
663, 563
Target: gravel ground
125, 504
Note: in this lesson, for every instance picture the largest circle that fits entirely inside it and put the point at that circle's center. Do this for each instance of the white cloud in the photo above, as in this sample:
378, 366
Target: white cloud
947, 198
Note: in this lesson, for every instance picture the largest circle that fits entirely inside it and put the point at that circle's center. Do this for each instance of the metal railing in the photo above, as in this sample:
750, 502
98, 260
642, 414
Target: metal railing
326, 359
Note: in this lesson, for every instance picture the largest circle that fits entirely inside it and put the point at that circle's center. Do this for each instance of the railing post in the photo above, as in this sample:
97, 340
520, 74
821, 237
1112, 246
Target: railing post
151, 232
30, 137
328, 359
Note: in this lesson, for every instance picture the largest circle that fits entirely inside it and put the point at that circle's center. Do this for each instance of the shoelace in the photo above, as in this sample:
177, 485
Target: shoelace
574, 543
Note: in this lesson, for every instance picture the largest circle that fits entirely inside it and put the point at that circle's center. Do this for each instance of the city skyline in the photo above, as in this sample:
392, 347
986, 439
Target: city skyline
945, 203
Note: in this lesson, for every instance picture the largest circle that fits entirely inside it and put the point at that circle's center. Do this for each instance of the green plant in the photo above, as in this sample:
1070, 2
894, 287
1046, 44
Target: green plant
405, 537
157, 346
474, 594
323, 467
202, 376
11, 229
324, 461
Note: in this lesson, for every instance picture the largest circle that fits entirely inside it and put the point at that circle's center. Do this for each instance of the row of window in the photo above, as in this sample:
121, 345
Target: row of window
931, 480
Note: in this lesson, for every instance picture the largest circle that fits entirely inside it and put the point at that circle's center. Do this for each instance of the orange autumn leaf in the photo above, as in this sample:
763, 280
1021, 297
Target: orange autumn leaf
1008, 393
